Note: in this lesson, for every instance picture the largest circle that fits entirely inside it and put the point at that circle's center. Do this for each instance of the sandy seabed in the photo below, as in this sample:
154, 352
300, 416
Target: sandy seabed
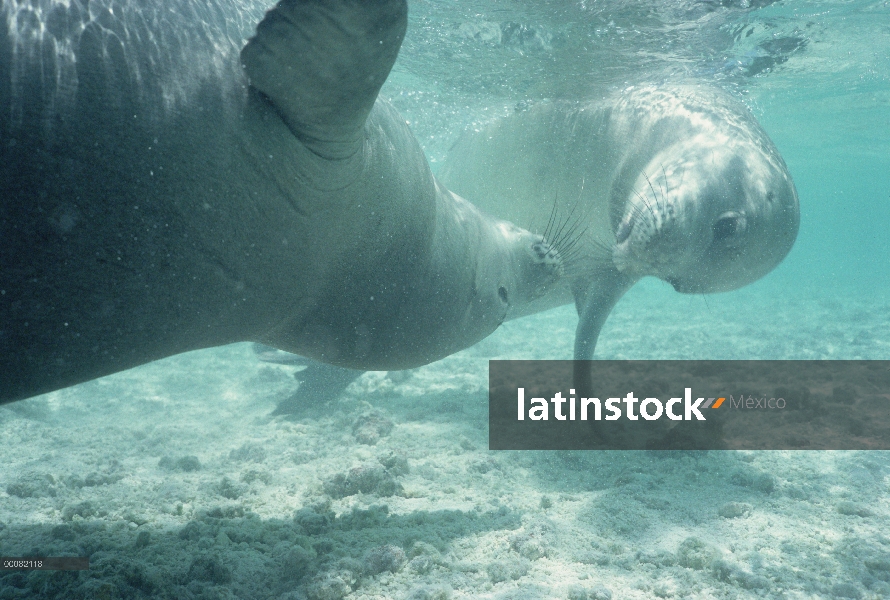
177, 483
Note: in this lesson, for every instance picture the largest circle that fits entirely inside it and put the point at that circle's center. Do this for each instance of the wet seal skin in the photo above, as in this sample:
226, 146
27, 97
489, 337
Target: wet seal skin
167, 190
675, 181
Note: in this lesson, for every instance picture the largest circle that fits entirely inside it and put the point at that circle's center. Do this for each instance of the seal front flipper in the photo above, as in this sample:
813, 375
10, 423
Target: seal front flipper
321, 64
594, 303
319, 383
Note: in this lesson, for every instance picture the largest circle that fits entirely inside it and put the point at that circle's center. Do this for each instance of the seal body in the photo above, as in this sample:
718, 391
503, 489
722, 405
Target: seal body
679, 182
161, 192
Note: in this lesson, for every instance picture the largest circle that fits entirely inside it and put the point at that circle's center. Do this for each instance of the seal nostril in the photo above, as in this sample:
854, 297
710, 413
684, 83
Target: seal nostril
502, 294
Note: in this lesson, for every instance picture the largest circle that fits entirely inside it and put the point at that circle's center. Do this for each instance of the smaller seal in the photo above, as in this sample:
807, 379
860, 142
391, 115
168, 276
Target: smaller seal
676, 181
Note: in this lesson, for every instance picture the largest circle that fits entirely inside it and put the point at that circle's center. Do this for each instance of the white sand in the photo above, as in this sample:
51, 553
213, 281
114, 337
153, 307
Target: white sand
85, 474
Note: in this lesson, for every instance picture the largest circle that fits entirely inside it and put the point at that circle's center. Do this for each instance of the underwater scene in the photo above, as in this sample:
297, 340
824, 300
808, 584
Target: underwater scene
704, 179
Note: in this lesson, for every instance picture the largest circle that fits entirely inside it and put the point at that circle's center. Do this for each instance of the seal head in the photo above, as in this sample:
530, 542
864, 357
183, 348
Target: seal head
525, 265
711, 213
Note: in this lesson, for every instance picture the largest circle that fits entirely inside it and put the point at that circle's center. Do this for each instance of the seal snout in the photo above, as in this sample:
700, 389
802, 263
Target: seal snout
541, 266
646, 241
548, 259
547, 255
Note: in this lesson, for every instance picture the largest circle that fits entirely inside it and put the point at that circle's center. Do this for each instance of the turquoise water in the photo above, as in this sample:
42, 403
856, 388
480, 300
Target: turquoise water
177, 483
829, 112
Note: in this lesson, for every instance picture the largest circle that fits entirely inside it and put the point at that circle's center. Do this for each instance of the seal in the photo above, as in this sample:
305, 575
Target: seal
675, 181
162, 192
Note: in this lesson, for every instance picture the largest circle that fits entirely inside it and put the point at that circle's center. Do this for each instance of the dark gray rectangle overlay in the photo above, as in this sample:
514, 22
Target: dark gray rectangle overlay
676, 405
45, 563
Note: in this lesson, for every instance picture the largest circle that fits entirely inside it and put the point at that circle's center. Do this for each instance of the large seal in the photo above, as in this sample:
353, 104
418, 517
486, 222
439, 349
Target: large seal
678, 182
161, 191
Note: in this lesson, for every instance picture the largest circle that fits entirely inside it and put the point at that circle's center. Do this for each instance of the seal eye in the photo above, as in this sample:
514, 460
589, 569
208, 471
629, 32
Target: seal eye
502, 294
725, 228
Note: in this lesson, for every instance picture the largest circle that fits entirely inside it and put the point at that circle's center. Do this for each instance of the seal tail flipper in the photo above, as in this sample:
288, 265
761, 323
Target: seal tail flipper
594, 304
321, 63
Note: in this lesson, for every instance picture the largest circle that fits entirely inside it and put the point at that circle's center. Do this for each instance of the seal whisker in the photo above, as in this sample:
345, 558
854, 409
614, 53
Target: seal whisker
707, 306
654, 193
552, 218
579, 260
569, 233
559, 232
638, 212
602, 246
572, 246
646, 203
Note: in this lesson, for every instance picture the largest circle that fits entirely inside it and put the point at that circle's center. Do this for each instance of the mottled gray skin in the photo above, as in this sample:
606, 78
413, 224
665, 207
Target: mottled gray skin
678, 182
163, 191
